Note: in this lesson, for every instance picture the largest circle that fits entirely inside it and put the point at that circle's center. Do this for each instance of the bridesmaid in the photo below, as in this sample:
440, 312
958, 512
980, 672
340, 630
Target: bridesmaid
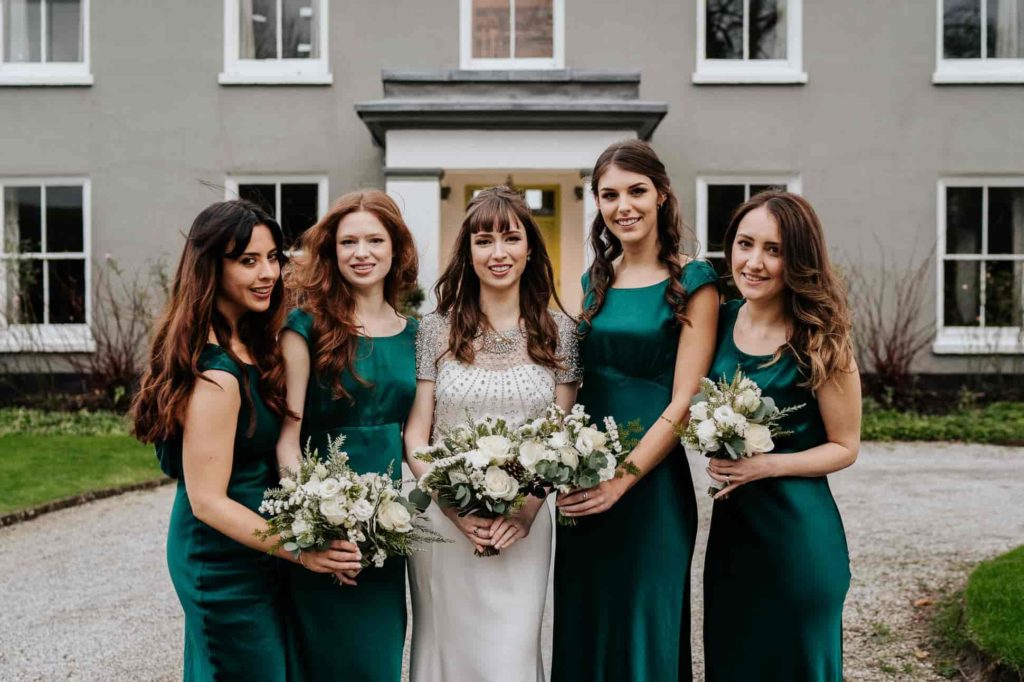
648, 324
211, 399
350, 361
777, 569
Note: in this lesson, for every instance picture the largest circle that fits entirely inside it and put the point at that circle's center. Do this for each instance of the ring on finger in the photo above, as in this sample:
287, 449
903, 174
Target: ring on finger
728, 479
586, 496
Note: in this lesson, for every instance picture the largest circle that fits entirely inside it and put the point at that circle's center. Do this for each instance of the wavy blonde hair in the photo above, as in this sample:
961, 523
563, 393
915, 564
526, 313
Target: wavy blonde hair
815, 297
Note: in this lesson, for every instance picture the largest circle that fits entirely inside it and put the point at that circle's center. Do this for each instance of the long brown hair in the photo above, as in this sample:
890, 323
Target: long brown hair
815, 297
318, 287
636, 156
221, 231
497, 209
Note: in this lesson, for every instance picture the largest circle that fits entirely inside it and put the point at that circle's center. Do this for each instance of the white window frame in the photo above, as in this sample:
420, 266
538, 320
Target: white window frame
791, 182
971, 340
467, 61
233, 181
273, 71
977, 70
44, 72
753, 71
49, 338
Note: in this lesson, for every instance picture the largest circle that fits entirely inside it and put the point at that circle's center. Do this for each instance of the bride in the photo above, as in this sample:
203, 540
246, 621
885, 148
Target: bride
491, 348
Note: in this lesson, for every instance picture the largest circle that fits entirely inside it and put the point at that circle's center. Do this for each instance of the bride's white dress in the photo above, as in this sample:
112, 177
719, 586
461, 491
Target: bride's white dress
478, 619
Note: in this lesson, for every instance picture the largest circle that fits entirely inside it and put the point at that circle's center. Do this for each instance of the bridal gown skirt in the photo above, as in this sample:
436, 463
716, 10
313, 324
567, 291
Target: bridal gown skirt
478, 619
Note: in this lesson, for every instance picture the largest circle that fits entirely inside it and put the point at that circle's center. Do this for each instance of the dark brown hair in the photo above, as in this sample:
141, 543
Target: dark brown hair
221, 231
638, 157
497, 209
318, 287
815, 297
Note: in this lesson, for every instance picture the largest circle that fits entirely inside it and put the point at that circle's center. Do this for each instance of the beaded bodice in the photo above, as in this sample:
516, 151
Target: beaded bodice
503, 380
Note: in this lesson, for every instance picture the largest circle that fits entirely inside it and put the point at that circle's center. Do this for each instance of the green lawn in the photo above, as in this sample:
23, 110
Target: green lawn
41, 468
994, 609
998, 423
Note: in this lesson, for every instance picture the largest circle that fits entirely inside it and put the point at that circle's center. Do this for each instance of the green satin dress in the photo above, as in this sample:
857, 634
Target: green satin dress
777, 567
347, 633
622, 578
234, 621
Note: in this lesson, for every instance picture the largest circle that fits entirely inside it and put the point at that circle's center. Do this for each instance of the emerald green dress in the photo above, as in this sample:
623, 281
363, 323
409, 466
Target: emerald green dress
344, 632
777, 567
234, 623
622, 578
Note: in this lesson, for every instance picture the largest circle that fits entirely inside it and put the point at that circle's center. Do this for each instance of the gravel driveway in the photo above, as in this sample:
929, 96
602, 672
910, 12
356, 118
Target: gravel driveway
86, 596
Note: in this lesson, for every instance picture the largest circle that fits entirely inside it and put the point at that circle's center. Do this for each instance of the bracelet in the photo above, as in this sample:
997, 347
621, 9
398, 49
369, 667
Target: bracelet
671, 423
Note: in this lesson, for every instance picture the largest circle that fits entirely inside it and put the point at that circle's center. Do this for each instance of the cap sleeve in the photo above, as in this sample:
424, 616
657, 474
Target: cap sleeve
568, 349
696, 274
300, 322
431, 340
215, 357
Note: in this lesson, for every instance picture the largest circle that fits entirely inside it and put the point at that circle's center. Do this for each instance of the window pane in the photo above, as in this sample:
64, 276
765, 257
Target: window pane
299, 208
961, 29
722, 201
23, 220
1003, 282
64, 22
1006, 220
261, 195
67, 291
962, 300
963, 219
723, 32
534, 29
1005, 29
541, 202
22, 31
64, 227
767, 29
25, 282
491, 29
257, 35
299, 29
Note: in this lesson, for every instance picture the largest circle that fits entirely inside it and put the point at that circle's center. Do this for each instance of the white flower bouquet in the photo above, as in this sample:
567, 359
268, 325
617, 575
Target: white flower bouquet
567, 451
474, 470
327, 500
732, 419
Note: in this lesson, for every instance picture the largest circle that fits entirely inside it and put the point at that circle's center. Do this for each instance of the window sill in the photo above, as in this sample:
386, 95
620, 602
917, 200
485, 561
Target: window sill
234, 78
46, 80
979, 72
47, 338
976, 341
714, 76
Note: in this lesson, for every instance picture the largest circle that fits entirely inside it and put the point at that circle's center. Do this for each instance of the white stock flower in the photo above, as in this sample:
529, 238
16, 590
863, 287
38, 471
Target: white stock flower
758, 439
497, 448
477, 459
312, 486
707, 433
558, 439
746, 400
699, 411
378, 558
747, 384
321, 471
499, 485
334, 511
329, 487
288, 484
394, 516
569, 457
362, 510
533, 452
724, 414
738, 423
590, 439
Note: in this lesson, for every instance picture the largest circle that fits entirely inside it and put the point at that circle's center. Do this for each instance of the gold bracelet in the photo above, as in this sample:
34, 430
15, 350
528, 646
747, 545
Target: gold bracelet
671, 423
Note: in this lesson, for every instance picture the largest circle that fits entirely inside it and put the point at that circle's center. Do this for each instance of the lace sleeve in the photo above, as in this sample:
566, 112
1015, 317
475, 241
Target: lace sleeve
431, 340
568, 350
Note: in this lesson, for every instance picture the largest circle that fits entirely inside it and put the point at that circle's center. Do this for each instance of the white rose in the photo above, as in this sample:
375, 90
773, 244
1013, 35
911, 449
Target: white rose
394, 516
590, 439
299, 526
362, 510
532, 452
329, 487
724, 414
333, 511
707, 433
699, 411
746, 400
477, 459
558, 440
321, 471
499, 485
312, 486
758, 439
498, 448
569, 457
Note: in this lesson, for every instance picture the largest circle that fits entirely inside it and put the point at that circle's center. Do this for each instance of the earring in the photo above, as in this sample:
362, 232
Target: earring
527, 257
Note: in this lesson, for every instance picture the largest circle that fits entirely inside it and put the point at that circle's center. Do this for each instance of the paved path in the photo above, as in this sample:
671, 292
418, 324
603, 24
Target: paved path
85, 593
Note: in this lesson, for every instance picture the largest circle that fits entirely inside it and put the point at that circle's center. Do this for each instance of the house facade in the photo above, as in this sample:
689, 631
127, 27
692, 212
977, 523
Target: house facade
900, 122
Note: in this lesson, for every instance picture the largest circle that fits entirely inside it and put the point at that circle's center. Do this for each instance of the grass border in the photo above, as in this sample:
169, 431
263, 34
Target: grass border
29, 513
